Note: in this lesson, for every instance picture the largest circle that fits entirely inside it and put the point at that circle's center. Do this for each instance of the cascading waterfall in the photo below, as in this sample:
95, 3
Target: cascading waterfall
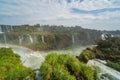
43, 40
4, 35
5, 38
20, 40
11, 28
105, 72
7, 29
30, 37
37, 76
73, 39
0, 29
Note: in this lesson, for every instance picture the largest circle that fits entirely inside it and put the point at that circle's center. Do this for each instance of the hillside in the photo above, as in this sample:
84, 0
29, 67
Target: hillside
48, 37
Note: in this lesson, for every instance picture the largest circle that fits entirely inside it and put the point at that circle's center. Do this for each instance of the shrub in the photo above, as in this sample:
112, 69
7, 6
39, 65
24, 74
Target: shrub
65, 67
86, 55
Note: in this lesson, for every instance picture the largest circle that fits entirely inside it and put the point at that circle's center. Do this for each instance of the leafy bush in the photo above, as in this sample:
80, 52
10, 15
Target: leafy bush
65, 67
86, 55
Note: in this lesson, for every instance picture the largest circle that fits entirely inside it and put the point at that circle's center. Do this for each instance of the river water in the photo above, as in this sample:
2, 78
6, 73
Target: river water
105, 72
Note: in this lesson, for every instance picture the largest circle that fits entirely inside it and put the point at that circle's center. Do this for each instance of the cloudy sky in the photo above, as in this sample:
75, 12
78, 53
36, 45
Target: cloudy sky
95, 14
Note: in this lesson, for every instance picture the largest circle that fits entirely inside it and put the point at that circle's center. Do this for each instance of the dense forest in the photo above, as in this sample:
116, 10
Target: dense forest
48, 37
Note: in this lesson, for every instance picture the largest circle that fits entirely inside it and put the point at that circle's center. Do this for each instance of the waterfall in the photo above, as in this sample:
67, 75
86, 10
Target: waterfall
73, 39
20, 40
5, 39
43, 40
7, 28
104, 71
11, 28
0, 29
30, 37
37, 76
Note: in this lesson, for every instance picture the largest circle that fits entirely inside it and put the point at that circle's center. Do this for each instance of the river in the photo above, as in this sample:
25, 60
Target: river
105, 72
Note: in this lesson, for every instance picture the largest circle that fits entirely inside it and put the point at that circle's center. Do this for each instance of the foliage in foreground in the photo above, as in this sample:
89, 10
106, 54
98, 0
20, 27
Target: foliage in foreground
65, 67
11, 67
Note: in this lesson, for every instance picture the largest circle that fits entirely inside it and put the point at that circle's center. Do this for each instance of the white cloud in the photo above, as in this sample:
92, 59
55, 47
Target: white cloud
56, 12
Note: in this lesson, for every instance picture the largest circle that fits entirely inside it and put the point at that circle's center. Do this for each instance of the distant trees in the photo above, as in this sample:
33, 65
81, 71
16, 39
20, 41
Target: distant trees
65, 67
56, 37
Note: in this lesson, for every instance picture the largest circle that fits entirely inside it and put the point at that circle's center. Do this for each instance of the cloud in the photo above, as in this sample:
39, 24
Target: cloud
66, 12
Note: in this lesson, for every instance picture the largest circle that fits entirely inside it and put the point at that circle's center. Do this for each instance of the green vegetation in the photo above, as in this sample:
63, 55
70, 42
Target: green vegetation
86, 55
11, 67
115, 65
65, 67
108, 50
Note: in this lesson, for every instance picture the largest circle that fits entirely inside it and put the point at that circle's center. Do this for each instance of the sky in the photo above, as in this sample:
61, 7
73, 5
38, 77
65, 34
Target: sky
92, 14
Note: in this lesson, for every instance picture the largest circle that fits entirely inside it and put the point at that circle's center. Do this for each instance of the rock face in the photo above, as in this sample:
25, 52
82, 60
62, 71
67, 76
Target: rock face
105, 73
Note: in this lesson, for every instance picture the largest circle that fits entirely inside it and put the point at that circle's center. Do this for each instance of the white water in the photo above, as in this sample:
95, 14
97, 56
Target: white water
20, 40
43, 40
11, 28
30, 37
105, 72
73, 39
0, 29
